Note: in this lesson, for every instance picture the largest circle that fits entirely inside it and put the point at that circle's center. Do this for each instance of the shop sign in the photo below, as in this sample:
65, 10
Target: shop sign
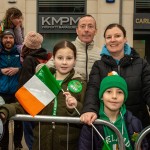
57, 23
141, 21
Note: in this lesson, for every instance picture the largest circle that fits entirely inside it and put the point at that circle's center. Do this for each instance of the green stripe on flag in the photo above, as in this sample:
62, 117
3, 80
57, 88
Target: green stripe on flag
48, 79
106, 146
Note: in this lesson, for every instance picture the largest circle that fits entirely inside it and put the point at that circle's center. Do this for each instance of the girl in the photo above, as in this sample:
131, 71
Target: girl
13, 20
54, 136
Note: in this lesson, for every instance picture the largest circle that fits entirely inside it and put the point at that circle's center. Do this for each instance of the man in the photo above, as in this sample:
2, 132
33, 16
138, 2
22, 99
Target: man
9, 68
87, 52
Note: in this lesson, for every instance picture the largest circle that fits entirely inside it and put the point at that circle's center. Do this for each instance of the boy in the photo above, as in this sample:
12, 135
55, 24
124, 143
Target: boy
113, 94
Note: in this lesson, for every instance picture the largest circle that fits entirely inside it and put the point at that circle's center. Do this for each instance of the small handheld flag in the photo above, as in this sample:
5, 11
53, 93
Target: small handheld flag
38, 92
105, 146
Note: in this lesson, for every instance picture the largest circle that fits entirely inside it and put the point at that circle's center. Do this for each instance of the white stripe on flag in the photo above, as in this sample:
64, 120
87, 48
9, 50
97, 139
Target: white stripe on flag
38, 89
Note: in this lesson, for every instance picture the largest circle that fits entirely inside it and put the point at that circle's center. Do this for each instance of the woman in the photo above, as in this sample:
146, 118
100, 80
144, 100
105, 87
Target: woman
118, 56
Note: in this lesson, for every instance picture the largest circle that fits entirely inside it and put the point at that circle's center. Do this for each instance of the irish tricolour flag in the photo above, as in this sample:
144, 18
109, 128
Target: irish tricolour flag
38, 92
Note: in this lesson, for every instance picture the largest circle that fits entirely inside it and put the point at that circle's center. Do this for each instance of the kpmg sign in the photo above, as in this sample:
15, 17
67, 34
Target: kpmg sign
57, 23
141, 21
59, 16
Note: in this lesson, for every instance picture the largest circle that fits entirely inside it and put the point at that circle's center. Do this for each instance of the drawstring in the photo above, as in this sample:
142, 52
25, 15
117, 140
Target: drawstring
122, 123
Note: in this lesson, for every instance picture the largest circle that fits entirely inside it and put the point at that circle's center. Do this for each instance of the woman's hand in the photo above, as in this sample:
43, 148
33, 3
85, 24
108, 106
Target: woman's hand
88, 117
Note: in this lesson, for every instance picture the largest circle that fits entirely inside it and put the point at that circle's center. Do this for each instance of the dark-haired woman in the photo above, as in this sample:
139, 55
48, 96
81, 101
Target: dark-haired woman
118, 56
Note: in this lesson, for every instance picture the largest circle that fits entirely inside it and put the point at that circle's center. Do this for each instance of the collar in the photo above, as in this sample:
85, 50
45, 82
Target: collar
127, 50
79, 42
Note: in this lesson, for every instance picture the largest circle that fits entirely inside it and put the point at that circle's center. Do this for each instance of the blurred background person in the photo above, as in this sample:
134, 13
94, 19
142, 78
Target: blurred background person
32, 54
9, 68
13, 19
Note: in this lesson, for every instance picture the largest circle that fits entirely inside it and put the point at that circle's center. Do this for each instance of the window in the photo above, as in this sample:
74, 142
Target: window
63, 6
142, 6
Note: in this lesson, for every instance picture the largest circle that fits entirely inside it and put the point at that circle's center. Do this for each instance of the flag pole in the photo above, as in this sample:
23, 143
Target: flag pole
91, 123
106, 144
92, 126
77, 111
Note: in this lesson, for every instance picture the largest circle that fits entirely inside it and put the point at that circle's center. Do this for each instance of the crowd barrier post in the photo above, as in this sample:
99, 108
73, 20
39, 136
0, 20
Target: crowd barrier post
142, 135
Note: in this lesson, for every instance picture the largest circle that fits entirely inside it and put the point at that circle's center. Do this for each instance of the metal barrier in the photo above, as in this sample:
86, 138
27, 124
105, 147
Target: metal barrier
142, 135
75, 120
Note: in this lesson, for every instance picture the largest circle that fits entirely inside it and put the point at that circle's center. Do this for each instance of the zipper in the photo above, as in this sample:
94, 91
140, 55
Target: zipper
86, 48
119, 69
9, 62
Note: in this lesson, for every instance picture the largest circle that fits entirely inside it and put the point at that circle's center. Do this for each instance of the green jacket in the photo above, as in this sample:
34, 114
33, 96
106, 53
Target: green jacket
54, 139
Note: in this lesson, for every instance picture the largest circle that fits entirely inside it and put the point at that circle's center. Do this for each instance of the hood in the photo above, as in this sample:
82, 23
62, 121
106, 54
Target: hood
39, 53
80, 44
127, 50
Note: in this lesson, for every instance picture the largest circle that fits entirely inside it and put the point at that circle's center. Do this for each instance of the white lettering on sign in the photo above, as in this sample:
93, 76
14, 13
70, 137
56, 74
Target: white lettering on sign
143, 21
51, 21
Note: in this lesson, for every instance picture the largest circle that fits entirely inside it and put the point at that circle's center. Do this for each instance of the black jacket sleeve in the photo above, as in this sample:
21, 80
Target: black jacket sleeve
146, 82
134, 125
27, 70
89, 138
85, 140
91, 102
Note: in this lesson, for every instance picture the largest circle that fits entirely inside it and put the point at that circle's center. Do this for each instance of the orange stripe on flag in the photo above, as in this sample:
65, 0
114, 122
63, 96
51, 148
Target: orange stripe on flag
30, 103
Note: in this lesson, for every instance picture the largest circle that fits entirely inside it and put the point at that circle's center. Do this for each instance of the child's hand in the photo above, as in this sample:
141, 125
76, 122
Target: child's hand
71, 102
2, 116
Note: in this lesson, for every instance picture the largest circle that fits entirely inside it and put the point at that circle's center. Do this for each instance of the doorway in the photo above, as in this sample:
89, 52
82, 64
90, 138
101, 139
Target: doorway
141, 44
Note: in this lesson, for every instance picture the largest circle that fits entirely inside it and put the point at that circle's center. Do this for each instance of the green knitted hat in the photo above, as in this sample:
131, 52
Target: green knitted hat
113, 80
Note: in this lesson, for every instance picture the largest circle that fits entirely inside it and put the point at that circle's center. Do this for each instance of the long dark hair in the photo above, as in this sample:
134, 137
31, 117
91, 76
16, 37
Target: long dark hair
64, 44
110, 26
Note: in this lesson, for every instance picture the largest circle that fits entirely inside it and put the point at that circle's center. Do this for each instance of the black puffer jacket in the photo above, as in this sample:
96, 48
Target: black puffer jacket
136, 72
31, 60
85, 141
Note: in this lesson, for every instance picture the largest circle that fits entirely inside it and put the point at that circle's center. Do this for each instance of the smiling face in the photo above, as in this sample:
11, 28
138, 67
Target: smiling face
8, 42
86, 29
64, 60
113, 99
115, 41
